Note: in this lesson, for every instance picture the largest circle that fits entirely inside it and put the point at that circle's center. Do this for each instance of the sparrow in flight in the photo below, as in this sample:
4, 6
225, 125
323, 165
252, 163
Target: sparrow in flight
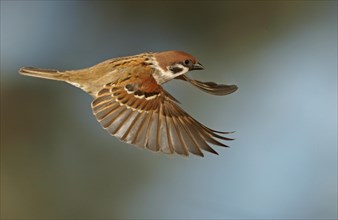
130, 103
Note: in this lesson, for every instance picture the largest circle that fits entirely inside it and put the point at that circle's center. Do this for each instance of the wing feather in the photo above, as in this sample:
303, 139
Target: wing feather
152, 132
210, 87
141, 135
189, 138
167, 135
109, 118
200, 139
101, 113
179, 144
133, 128
153, 121
122, 124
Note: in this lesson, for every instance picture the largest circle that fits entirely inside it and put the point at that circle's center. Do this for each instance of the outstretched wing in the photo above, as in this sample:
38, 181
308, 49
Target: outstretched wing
152, 120
210, 87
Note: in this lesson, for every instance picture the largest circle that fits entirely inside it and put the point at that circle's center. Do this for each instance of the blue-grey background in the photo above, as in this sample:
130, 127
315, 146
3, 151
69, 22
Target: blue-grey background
57, 162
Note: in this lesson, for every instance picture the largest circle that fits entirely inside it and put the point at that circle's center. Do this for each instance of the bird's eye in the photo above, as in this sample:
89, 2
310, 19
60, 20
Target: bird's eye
187, 62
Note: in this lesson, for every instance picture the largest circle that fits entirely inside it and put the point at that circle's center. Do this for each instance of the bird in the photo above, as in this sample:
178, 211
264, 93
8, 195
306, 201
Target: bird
131, 104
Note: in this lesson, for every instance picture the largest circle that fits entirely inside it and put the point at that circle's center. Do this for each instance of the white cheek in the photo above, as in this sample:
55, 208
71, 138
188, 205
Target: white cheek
161, 76
176, 74
184, 71
164, 76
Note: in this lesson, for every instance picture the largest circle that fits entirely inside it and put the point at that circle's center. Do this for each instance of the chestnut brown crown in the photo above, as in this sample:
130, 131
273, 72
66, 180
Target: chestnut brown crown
174, 63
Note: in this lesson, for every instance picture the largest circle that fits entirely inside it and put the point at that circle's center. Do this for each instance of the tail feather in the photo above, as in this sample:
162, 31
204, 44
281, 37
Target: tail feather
42, 73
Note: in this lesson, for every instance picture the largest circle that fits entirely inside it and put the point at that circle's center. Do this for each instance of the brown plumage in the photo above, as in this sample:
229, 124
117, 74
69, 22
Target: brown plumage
130, 103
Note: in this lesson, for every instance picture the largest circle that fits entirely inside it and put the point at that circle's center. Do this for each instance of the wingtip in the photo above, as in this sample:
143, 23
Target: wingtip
27, 69
22, 70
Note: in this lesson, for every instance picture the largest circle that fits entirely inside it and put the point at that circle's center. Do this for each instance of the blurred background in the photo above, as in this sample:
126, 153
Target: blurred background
58, 163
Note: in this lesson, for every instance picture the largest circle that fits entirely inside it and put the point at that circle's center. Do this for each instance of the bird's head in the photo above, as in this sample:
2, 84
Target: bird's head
171, 64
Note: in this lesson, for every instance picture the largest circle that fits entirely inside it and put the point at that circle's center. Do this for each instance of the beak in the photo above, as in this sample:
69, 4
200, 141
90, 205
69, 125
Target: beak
197, 66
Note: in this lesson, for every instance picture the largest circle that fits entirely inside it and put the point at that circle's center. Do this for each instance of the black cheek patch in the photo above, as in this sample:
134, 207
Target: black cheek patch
176, 69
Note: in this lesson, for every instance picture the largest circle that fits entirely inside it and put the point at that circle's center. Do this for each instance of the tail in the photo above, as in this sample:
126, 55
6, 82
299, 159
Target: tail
42, 73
